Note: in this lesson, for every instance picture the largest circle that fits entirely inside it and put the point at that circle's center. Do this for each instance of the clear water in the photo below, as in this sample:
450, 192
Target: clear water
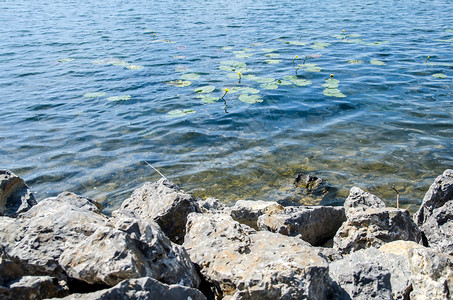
394, 127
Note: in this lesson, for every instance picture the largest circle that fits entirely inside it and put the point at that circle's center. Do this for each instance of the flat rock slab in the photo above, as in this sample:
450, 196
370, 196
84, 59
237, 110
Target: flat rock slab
15, 196
247, 211
245, 264
314, 224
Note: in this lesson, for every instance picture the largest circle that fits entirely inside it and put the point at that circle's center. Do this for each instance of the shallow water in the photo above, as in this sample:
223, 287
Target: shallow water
393, 127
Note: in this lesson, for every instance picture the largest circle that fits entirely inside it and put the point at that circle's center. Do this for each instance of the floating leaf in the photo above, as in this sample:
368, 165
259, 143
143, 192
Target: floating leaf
273, 61
105, 61
180, 113
439, 76
439, 64
377, 62
448, 30
320, 45
355, 62
134, 67
301, 82
297, 43
250, 98
65, 60
119, 98
257, 44
190, 76
208, 98
269, 86
204, 89
263, 79
167, 41
272, 55
226, 48
331, 83
234, 63
179, 57
95, 95
311, 67
447, 41
179, 83
247, 49
242, 54
283, 82
250, 77
268, 50
333, 93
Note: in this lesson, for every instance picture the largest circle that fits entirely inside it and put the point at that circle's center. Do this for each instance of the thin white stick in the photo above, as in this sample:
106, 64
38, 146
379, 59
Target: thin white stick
156, 170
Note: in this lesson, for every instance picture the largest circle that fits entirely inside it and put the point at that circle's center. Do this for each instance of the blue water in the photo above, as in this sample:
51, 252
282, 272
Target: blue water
394, 127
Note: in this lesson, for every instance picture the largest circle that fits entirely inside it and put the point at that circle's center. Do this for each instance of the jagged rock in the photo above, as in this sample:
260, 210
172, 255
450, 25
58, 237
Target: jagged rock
247, 211
68, 235
15, 196
361, 200
164, 203
141, 289
34, 287
211, 205
307, 181
246, 264
438, 228
438, 194
315, 224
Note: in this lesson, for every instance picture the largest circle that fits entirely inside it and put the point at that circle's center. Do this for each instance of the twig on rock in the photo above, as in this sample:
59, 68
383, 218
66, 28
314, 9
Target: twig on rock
156, 170
397, 197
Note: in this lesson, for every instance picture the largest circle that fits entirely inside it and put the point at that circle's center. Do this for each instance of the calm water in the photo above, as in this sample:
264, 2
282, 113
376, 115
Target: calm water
62, 61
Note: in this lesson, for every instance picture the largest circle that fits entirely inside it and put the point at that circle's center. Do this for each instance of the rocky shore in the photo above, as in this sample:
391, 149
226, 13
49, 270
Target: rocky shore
163, 243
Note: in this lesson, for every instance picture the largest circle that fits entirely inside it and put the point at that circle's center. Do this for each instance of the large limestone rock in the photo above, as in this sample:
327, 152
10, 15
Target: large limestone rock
242, 263
438, 228
247, 211
211, 205
314, 224
69, 235
373, 225
164, 203
34, 287
438, 194
141, 289
15, 196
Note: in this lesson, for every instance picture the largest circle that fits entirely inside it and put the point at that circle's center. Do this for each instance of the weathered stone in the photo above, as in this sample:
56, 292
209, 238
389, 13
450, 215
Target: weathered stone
374, 227
164, 203
245, 264
141, 289
361, 200
438, 194
438, 228
247, 211
314, 224
308, 181
211, 205
58, 237
15, 196
34, 287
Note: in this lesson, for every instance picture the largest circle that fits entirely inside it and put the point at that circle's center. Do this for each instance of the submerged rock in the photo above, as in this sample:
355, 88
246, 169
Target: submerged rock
245, 264
247, 212
15, 196
314, 224
162, 202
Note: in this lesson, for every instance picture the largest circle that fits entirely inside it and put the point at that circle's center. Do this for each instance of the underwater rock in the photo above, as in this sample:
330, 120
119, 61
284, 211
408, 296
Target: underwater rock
247, 211
142, 288
162, 202
307, 181
314, 224
15, 196
243, 263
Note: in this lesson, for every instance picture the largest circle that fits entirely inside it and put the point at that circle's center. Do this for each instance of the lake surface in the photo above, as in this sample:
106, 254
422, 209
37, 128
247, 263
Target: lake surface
93, 89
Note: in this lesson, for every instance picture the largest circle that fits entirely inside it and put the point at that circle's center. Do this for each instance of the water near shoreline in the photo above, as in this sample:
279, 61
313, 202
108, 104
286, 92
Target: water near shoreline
91, 91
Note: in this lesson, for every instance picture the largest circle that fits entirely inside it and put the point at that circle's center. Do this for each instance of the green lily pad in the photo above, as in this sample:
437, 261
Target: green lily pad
268, 50
301, 82
273, 61
250, 98
283, 82
448, 30
120, 63
320, 45
179, 83
244, 90
297, 43
446, 41
269, 86
250, 77
290, 77
247, 49
377, 62
331, 83
208, 98
133, 67
259, 44
233, 75
439, 76
263, 79
179, 57
204, 89
233, 63
333, 93
65, 60
119, 98
167, 41
242, 54
95, 95
311, 67
272, 55
227, 48
190, 76
439, 64
355, 62
180, 113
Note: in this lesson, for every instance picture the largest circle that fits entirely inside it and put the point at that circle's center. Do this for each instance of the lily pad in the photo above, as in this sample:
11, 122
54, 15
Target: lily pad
65, 60
273, 61
333, 93
283, 82
377, 62
190, 76
227, 48
242, 54
247, 49
439, 76
244, 90
179, 57
355, 62
250, 98
133, 67
119, 98
272, 55
301, 82
331, 83
180, 113
259, 44
269, 86
204, 89
297, 43
448, 30
263, 79
208, 98
167, 41
439, 64
311, 67
320, 45
179, 83
95, 95
268, 50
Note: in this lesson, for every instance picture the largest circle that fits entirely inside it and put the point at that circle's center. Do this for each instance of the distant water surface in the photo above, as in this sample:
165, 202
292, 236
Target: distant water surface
90, 92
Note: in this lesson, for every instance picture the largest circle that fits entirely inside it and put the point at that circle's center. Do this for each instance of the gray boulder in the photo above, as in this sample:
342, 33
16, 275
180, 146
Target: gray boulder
438, 228
142, 289
247, 211
15, 196
162, 202
361, 200
438, 194
314, 224
34, 287
68, 235
242, 263
211, 205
